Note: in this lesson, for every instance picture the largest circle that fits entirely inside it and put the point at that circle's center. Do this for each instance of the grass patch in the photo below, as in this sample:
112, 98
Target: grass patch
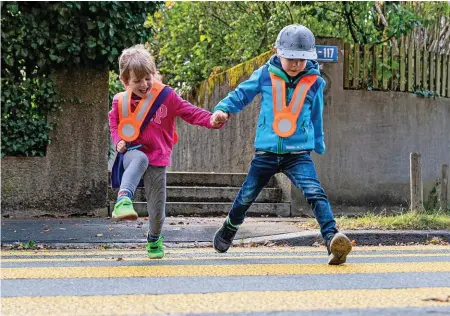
406, 220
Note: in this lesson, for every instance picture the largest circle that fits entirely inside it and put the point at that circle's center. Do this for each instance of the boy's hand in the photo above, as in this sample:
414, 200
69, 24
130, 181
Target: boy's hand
122, 146
218, 118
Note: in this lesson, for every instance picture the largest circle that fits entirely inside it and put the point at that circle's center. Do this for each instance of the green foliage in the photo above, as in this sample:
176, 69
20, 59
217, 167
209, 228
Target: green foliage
426, 93
430, 219
193, 40
70, 33
25, 106
40, 37
31, 244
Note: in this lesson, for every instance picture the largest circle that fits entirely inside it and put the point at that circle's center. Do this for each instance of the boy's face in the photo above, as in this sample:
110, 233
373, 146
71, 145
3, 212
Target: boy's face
292, 66
140, 86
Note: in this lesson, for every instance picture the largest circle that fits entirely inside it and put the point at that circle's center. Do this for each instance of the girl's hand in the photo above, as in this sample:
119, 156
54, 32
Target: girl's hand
218, 118
121, 146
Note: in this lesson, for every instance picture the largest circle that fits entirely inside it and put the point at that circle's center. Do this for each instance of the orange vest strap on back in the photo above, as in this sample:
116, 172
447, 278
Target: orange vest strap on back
131, 122
285, 117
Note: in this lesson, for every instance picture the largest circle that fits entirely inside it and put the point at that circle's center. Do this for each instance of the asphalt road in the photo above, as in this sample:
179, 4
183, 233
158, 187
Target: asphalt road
404, 280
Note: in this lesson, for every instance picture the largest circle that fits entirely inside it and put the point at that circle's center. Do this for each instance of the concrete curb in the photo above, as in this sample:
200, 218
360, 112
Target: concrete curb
306, 238
361, 237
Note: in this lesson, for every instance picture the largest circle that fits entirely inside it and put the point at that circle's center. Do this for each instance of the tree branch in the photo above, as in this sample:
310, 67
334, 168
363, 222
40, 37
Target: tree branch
349, 24
289, 10
385, 24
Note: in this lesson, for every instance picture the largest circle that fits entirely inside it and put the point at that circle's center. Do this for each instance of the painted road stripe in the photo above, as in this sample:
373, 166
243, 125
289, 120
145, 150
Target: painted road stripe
232, 302
219, 270
219, 257
209, 250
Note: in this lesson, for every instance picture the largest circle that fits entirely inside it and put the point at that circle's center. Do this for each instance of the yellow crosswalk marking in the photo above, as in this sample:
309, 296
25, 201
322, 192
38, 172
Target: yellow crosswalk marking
79, 259
232, 302
219, 270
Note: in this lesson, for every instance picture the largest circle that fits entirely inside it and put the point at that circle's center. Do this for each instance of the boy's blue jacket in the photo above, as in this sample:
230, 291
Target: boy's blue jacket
309, 134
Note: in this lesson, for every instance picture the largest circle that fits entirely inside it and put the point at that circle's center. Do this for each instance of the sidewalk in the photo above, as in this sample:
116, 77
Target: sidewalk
186, 232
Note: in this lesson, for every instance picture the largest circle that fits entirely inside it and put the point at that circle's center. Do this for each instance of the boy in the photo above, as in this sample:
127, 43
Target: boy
290, 126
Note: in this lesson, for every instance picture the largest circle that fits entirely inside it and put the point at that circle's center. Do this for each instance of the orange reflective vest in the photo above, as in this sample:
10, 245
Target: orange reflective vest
285, 117
130, 122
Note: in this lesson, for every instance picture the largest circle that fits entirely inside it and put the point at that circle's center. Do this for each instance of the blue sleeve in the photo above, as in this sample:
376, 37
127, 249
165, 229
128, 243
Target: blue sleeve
243, 95
317, 120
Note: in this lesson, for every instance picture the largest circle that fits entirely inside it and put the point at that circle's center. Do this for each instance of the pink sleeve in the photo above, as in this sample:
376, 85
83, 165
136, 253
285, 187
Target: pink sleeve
113, 116
191, 113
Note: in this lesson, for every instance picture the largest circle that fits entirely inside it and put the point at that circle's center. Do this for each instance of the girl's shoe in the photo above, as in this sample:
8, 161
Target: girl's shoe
123, 210
155, 249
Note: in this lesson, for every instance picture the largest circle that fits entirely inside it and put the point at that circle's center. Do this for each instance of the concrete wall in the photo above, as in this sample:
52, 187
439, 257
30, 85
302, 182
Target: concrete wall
72, 178
369, 135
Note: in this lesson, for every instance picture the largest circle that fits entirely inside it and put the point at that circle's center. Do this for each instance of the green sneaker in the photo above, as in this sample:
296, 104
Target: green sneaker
155, 249
123, 210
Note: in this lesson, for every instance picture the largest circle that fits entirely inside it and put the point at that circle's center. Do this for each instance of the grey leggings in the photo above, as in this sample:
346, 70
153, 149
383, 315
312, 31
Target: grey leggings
136, 166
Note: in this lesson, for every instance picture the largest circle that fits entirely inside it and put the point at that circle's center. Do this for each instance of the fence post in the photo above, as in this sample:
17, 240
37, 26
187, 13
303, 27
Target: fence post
346, 66
385, 62
416, 185
444, 188
438, 73
425, 69
432, 70
365, 65
402, 66
448, 76
374, 67
417, 67
444, 77
355, 66
410, 66
394, 57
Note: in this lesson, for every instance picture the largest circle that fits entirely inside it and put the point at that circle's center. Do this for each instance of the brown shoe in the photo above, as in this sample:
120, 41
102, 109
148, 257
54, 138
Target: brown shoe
338, 249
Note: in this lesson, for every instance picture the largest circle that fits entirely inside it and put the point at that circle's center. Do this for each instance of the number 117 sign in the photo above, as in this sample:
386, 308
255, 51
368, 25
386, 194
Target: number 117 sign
327, 53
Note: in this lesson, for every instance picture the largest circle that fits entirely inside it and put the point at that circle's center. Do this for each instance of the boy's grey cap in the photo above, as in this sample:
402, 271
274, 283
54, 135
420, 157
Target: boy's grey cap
296, 41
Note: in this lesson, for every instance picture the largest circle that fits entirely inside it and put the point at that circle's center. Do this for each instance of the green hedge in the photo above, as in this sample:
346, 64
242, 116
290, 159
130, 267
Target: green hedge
41, 37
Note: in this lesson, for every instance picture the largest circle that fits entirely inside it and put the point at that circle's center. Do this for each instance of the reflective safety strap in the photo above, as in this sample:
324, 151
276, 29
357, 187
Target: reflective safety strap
285, 117
131, 122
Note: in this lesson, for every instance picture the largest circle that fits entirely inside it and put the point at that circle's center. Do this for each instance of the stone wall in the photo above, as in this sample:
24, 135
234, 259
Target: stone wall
72, 178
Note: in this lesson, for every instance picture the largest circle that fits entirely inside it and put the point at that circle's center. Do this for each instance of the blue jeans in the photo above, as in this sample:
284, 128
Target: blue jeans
299, 168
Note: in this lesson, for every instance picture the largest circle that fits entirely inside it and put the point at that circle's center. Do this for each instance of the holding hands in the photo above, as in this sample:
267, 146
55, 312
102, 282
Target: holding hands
218, 118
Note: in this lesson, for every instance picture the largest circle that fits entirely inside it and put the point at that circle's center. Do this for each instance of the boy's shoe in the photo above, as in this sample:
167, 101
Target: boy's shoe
224, 236
339, 246
123, 210
155, 249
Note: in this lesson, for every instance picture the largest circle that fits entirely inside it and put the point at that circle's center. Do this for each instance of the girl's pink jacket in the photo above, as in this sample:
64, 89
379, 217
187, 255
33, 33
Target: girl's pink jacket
157, 139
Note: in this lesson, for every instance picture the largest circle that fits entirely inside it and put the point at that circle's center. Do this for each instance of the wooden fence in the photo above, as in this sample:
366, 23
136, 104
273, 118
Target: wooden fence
404, 68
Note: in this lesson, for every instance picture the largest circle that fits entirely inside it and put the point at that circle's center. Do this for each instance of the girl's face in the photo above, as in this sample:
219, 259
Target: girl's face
139, 86
292, 66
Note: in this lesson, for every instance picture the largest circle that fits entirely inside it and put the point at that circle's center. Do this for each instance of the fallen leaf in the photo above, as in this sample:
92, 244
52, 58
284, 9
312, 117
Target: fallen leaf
119, 259
438, 299
353, 243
